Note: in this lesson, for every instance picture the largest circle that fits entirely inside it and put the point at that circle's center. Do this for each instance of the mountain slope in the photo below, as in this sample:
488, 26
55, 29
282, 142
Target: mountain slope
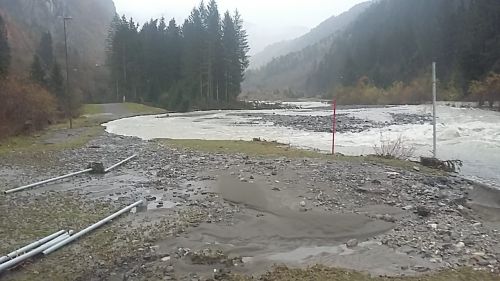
397, 40
27, 20
259, 36
322, 31
290, 72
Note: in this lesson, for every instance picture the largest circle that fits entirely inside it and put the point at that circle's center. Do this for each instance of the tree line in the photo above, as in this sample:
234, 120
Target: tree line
462, 36
27, 102
198, 64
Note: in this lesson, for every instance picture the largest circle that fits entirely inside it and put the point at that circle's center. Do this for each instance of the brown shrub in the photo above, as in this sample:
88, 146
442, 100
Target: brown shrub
24, 107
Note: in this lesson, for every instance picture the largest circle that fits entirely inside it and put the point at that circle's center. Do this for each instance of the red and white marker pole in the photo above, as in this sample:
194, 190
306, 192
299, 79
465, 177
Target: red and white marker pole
334, 124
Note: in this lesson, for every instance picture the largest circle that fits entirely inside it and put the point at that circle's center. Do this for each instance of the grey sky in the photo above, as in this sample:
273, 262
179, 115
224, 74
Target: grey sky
278, 13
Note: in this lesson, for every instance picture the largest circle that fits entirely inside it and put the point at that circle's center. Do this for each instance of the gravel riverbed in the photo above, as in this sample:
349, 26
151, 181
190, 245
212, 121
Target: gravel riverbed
209, 215
345, 122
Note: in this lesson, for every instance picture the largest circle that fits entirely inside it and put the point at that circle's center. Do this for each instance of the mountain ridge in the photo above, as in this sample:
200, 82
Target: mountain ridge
315, 35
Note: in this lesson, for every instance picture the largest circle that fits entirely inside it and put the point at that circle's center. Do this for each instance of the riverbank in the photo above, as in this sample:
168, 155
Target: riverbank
303, 208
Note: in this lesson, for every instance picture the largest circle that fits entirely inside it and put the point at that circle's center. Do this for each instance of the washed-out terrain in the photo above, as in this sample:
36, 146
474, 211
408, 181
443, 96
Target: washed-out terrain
213, 213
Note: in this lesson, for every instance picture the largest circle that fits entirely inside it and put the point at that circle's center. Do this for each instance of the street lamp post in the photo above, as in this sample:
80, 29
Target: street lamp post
68, 98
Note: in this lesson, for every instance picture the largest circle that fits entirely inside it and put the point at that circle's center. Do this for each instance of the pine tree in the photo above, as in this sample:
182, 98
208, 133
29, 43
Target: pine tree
201, 62
243, 47
124, 56
37, 73
173, 37
230, 44
214, 45
56, 84
4, 50
45, 51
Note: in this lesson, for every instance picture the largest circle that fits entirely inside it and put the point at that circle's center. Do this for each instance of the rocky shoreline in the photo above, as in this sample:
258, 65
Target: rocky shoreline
418, 222
345, 122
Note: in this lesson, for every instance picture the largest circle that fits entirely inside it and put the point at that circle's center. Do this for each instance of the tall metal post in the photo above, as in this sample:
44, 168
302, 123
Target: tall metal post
334, 124
68, 98
434, 149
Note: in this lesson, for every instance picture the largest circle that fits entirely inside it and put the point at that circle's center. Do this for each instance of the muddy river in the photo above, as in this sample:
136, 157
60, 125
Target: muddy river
471, 135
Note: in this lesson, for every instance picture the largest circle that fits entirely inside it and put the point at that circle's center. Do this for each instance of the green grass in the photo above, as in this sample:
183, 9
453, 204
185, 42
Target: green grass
138, 108
273, 149
320, 273
254, 148
48, 214
92, 109
33, 144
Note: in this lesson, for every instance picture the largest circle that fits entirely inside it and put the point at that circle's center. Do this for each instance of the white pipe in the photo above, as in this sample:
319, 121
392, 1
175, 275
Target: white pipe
120, 163
30, 246
90, 228
12, 262
47, 181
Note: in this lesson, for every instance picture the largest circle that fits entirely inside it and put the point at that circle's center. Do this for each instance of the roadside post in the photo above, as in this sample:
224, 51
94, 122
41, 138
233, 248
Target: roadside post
434, 138
334, 124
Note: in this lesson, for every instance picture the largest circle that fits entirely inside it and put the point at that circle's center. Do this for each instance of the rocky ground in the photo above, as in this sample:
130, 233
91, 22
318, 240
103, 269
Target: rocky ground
345, 122
224, 216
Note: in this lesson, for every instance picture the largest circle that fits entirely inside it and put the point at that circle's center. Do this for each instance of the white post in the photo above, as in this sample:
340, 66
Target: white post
434, 150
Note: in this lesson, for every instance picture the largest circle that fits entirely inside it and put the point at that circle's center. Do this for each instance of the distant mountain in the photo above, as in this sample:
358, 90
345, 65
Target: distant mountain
27, 20
301, 57
322, 31
260, 37
392, 41
397, 40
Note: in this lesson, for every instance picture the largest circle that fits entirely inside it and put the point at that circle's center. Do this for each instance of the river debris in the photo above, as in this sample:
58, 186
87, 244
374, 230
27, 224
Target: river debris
33, 249
94, 167
451, 166
54, 241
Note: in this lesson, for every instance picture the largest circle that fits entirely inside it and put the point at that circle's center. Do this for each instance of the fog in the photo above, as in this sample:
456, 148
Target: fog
279, 19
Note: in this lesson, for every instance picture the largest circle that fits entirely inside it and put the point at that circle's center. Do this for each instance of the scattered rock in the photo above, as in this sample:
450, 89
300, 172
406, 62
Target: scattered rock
389, 218
352, 243
460, 245
423, 211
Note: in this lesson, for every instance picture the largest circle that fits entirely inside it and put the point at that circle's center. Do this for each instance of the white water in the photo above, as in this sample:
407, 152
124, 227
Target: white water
471, 135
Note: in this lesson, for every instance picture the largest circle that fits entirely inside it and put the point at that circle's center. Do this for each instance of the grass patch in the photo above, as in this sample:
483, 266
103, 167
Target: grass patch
274, 149
137, 108
41, 143
92, 109
320, 273
34, 219
84, 129
250, 148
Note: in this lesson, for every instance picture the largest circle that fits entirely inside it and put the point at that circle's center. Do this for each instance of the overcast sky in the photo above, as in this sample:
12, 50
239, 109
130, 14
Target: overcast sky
283, 13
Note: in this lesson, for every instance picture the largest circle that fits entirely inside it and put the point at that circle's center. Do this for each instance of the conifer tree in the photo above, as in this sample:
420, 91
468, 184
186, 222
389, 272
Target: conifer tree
4, 50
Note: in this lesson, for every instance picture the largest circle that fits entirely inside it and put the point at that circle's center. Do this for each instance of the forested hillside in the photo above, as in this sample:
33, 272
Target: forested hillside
198, 64
33, 87
295, 60
396, 40
324, 30
389, 50
28, 20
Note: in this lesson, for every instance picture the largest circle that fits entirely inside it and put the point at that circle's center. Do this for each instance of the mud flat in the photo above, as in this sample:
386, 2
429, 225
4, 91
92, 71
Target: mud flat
217, 215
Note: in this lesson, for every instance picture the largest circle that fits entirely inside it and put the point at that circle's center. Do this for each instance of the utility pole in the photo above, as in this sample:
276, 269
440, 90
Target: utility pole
434, 150
68, 95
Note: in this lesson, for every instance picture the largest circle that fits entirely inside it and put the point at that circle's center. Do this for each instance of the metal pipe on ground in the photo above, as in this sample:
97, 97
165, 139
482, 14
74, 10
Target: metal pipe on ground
25, 256
120, 163
90, 228
47, 181
31, 246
